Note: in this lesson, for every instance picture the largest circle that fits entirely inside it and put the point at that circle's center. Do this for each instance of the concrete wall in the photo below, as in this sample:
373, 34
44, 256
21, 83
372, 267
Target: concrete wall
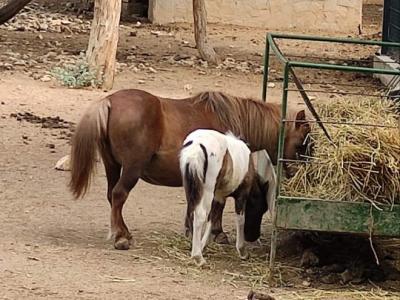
387, 63
373, 2
325, 15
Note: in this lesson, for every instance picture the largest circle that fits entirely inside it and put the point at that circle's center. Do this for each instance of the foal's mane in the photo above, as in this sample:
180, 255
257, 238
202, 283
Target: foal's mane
254, 120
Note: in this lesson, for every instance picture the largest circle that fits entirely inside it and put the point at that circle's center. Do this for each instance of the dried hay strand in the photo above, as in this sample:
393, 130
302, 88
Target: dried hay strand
365, 165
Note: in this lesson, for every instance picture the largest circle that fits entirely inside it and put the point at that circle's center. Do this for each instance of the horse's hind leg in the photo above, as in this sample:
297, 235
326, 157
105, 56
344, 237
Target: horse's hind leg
201, 213
218, 234
189, 222
113, 173
120, 192
206, 235
217, 210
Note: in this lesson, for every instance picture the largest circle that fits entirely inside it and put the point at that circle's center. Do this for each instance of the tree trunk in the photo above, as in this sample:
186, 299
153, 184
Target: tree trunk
206, 51
103, 41
10, 9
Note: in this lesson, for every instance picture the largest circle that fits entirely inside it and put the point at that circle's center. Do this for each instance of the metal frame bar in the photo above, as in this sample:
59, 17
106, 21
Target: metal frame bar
335, 40
271, 46
266, 70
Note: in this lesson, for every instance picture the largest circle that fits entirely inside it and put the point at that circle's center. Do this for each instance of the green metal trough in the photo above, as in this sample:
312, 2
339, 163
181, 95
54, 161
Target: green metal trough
291, 213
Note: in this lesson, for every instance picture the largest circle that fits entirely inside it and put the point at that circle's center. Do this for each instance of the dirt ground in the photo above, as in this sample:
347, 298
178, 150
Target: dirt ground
55, 247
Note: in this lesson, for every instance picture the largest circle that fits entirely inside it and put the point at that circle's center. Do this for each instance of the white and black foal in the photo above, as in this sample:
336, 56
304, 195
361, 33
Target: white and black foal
217, 166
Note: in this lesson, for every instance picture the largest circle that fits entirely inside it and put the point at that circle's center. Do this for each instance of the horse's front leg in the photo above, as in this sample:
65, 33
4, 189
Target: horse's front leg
240, 219
217, 210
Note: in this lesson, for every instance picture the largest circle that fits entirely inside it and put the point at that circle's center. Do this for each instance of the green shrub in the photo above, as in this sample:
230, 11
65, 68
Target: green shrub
76, 75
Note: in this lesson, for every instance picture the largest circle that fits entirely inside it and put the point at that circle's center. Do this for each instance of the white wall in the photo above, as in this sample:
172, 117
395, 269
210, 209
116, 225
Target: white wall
325, 15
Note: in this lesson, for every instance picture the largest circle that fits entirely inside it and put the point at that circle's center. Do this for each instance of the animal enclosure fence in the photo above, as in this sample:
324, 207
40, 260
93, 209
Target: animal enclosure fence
314, 213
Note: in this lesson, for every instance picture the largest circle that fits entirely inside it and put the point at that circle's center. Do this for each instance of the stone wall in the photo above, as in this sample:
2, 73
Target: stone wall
326, 15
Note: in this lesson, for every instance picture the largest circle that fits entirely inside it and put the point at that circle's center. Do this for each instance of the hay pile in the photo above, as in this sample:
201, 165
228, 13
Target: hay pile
365, 165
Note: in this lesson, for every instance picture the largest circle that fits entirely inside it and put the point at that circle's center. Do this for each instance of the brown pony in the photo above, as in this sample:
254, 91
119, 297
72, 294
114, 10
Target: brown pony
141, 134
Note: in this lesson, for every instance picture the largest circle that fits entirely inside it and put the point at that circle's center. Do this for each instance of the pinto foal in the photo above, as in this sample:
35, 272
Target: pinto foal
216, 166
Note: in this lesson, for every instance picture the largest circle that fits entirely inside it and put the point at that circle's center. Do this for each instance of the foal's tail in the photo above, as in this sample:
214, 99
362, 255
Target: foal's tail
90, 134
194, 164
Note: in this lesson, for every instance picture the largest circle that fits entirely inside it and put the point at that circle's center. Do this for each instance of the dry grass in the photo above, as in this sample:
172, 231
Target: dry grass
224, 265
365, 165
319, 294
223, 260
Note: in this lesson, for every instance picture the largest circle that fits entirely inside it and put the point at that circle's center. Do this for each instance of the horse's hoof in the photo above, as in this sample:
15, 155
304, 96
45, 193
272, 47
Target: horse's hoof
221, 238
243, 254
122, 244
199, 260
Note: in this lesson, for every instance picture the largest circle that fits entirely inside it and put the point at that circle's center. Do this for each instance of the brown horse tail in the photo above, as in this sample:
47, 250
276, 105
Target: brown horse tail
90, 134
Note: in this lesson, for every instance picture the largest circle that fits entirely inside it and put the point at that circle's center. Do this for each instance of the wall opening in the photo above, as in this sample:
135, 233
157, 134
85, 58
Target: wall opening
135, 9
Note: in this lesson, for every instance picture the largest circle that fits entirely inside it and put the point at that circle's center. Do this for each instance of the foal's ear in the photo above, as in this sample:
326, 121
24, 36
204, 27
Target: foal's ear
300, 118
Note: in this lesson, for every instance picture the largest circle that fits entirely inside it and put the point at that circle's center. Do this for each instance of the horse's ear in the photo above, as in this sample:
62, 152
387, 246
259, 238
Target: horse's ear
300, 118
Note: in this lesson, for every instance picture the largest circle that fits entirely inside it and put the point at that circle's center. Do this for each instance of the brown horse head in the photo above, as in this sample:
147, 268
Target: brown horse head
297, 144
